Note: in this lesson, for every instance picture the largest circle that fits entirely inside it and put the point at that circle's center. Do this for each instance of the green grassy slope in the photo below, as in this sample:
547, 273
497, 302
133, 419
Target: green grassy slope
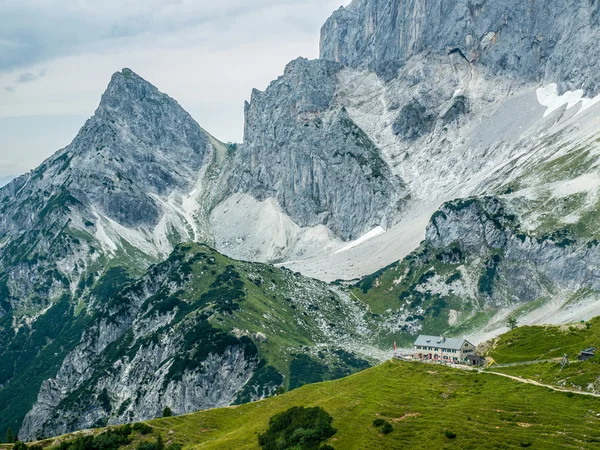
544, 342
533, 343
422, 402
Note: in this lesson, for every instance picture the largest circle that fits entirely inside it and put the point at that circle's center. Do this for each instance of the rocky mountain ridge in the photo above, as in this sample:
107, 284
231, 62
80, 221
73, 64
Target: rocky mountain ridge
200, 331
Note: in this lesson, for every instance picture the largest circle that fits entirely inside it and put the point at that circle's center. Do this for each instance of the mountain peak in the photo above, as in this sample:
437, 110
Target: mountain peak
127, 88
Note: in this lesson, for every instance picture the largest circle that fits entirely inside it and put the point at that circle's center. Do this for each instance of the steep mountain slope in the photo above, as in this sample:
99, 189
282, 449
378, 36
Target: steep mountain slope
478, 266
529, 41
77, 228
200, 331
428, 407
75, 210
455, 99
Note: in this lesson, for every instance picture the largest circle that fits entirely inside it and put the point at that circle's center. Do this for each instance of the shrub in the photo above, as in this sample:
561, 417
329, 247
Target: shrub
450, 434
158, 445
20, 446
146, 446
387, 428
111, 439
10, 437
525, 444
298, 428
175, 447
378, 422
142, 428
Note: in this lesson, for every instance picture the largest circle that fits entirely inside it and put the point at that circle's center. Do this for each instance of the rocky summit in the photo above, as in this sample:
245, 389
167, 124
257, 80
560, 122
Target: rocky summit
436, 171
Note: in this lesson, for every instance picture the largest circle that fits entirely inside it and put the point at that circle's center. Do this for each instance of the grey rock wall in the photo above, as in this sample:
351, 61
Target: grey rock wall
305, 151
525, 40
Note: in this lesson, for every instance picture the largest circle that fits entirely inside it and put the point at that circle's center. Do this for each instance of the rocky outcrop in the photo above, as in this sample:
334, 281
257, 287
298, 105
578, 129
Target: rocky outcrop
516, 266
138, 148
531, 41
136, 358
304, 150
412, 104
168, 340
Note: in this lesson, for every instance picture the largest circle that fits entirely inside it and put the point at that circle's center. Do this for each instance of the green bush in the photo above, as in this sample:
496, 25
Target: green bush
10, 436
175, 447
378, 422
158, 445
20, 446
142, 428
450, 434
298, 428
387, 428
111, 439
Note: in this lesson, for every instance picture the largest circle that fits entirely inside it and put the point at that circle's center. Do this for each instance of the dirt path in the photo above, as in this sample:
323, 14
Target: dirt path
535, 383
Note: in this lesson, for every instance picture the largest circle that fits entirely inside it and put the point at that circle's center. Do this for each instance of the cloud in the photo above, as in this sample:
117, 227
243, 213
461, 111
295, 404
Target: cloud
28, 77
32, 31
206, 54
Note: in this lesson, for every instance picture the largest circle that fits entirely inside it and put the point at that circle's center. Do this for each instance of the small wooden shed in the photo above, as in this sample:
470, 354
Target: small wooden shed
586, 354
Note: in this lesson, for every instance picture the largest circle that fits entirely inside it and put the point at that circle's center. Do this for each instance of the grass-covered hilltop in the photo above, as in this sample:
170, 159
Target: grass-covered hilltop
403, 405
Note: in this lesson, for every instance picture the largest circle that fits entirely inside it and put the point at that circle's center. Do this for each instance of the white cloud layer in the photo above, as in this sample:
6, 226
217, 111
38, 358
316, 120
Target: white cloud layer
56, 59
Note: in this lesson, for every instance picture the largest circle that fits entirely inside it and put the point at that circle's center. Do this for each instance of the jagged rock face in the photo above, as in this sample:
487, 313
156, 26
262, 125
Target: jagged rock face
138, 147
447, 114
305, 151
477, 266
532, 41
531, 265
140, 142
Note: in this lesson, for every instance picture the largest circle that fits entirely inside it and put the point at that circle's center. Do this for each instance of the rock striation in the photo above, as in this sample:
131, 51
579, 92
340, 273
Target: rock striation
526, 41
303, 149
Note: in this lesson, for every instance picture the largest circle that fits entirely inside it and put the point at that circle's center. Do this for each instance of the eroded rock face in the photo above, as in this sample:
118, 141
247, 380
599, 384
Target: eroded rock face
303, 149
525, 267
136, 358
534, 40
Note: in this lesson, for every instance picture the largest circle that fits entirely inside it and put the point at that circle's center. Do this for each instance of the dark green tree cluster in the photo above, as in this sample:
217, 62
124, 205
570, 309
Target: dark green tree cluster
142, 428
111, 439
386, 427
298, 428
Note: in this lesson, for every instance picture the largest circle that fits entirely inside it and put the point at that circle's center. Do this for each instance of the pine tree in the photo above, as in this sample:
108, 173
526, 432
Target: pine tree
167, 412
10, 438
512, 323
160, 445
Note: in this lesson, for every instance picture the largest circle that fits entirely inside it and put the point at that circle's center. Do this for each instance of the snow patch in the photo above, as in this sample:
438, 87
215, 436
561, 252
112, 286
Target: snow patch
588, 182
367, 237
548, 96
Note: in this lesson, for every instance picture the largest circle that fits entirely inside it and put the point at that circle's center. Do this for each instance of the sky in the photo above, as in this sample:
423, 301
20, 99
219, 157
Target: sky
57, 57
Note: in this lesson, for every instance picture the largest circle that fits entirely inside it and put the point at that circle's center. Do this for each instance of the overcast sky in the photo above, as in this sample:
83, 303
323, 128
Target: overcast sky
56, 59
